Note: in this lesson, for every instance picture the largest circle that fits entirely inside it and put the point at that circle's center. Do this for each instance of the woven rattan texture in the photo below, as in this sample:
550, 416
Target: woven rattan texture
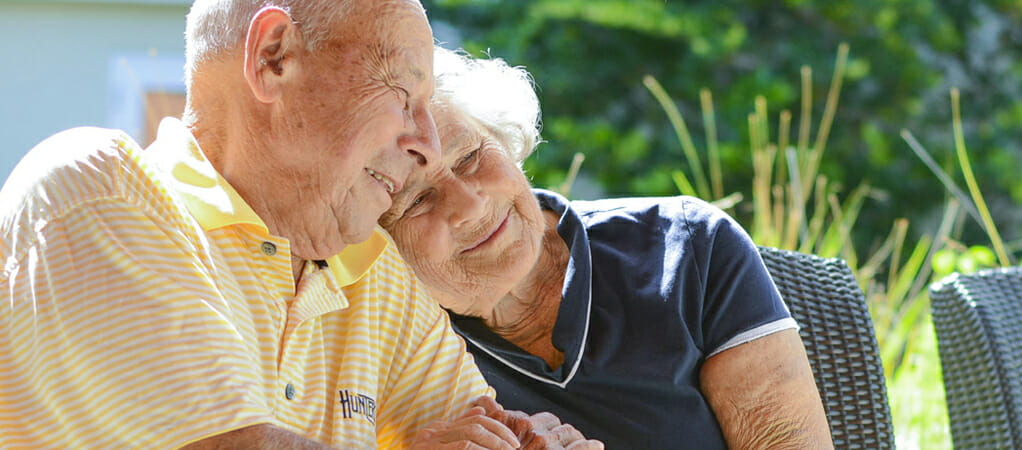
837, 330
978, 319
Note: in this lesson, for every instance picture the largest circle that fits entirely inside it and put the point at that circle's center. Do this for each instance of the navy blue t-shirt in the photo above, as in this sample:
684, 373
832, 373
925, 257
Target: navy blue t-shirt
653, 287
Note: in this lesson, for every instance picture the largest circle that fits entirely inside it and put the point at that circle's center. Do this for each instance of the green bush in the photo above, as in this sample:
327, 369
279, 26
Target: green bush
589, 58
768, 143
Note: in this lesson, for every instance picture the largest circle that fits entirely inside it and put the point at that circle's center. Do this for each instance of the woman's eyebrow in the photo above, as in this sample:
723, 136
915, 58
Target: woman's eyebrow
462, 139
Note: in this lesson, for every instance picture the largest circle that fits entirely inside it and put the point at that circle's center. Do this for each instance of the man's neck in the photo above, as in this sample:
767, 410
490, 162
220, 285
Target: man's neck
215, 136
297, 267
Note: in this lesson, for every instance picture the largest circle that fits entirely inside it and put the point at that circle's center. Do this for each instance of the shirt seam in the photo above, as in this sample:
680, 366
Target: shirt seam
757, 332
60, 216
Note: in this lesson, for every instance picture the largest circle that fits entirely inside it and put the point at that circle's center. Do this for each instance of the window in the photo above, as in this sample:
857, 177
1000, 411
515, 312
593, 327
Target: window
144, 88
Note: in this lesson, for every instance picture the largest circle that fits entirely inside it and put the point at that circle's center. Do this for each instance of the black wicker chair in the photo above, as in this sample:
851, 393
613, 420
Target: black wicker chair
978, 319
837, 331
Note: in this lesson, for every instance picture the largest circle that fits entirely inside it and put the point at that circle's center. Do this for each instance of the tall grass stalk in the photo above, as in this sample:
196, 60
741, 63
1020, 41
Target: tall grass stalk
796, 207
974, 204
569, 180
944, 178
713, 150
806, 118
970, 180
684, 138
829, 110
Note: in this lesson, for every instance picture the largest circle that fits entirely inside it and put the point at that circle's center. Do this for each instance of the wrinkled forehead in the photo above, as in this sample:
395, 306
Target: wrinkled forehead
387, 19
386, 29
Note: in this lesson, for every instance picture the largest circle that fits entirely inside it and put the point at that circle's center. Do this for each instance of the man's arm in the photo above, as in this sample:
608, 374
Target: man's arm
115, 337
257, 437
764, 395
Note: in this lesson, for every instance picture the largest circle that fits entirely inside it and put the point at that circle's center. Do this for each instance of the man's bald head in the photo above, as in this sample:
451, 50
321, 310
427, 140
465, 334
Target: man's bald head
217, 27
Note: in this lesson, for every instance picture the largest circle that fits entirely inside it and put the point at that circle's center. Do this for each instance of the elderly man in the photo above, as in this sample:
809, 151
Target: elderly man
227, 286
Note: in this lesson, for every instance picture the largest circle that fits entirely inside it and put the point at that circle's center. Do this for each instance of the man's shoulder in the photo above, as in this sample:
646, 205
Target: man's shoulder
73, 169
70, 168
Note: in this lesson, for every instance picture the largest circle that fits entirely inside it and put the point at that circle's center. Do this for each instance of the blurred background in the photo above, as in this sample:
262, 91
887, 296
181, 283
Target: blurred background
823, 126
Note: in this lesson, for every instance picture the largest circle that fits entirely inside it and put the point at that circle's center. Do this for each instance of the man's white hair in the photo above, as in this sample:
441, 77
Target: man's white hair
502, 98
215, 27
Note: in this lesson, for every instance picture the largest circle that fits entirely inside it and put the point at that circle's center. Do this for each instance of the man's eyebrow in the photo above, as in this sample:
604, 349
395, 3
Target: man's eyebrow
418, 74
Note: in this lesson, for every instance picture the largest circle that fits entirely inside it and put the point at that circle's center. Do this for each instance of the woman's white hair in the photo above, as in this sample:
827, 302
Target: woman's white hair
502, 98
215, 27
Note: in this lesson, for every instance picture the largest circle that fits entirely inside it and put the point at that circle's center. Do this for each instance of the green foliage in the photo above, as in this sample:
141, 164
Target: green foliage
787, 214
917, 396
963, 260
589, 58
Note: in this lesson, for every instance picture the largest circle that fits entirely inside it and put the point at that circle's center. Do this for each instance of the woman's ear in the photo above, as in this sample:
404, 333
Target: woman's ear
271, 35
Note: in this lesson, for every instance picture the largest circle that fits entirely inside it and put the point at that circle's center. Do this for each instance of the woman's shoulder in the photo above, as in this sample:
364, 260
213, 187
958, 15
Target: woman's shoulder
680, 207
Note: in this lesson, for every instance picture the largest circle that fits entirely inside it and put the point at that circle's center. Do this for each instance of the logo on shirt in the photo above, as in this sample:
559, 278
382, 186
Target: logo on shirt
357, 404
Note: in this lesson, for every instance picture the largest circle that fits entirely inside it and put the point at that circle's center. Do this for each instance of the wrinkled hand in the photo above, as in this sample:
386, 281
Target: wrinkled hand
538, 431
471, 431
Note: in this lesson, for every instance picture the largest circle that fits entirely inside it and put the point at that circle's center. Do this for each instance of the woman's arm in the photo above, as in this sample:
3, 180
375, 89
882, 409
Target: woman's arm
764, 396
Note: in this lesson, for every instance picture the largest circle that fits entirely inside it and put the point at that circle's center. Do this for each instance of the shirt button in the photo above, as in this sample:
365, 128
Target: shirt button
289, 391
268, 248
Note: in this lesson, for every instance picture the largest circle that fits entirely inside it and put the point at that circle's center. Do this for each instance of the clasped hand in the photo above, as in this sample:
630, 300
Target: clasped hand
486, 425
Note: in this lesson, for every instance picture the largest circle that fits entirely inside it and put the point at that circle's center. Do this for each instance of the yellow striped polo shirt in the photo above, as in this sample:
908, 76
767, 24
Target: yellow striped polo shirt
147, 306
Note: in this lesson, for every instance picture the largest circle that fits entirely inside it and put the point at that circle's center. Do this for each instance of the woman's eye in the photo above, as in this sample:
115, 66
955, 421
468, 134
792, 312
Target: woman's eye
468, 163
417, 205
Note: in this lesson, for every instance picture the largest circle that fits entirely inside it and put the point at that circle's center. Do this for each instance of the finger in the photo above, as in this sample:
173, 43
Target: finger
567, 434
530, 428
519, 422
544, 421
472, 411
558, 437
487, 403
591, 444
438, 436
481, 430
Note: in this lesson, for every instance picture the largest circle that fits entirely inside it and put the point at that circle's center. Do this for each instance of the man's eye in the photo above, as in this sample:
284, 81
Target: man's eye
405, 95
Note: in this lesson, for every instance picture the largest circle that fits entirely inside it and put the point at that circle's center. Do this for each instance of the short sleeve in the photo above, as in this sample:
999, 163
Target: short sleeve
115, 336
740, 300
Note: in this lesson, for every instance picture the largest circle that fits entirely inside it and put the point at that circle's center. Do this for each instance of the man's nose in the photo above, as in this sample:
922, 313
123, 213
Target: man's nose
423, 143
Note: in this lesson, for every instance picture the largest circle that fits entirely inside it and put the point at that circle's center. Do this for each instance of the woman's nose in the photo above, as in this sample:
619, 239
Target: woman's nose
467, 203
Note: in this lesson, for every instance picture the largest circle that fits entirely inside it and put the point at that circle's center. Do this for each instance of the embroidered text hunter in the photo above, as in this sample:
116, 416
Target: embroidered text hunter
360, 404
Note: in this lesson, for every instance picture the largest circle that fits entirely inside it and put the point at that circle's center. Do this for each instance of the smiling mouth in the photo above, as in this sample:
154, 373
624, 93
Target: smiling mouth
388, 184
489, 236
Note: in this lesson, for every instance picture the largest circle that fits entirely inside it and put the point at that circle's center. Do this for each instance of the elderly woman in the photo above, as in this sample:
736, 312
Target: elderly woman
644, 322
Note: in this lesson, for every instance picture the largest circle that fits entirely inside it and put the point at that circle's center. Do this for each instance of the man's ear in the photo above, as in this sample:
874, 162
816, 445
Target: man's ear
268, 56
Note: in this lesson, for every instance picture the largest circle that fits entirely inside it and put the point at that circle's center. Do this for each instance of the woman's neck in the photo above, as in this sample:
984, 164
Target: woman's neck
526, 315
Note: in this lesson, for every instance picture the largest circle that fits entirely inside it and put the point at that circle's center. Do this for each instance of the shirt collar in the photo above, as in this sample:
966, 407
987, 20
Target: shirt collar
215, 204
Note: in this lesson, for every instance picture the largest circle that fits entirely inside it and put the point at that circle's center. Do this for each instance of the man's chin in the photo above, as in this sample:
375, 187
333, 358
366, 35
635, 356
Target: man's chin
323, 250
357, 233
